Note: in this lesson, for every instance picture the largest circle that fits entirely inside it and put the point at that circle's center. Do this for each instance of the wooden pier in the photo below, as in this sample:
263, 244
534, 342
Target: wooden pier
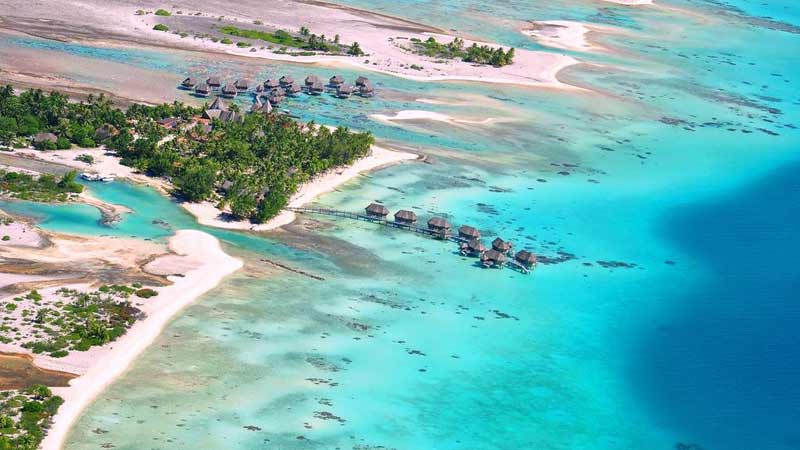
400, 226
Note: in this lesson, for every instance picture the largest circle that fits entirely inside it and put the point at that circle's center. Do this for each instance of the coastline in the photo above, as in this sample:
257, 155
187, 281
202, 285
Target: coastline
207, 214
212, 265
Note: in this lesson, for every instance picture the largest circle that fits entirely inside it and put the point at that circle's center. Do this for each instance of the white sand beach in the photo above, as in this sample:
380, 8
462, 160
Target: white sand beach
412, 115
207, 214
19, 233
207, 265
563, 34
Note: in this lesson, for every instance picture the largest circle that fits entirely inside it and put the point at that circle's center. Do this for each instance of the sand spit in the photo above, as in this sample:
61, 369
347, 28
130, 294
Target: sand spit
418, 115
100, 366
630, 2
207, 214
566, 34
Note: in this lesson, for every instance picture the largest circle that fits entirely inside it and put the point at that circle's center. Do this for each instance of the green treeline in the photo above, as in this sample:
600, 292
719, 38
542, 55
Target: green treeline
252, 166
476, 54
44, 188
25, 415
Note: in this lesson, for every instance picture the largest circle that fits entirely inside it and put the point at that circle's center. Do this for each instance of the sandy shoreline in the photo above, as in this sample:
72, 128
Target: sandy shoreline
209, 265
207, 214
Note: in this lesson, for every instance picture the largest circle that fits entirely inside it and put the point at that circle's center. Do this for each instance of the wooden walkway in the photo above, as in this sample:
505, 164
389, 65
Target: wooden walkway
391, 224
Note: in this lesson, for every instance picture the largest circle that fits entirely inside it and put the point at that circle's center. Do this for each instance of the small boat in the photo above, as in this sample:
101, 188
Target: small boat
90, 176
107, 179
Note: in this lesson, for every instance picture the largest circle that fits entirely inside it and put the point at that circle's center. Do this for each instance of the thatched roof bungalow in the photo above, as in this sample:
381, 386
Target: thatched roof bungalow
344, 91
501, 245
360, 81
45, 137
189, 83
311, 79
168, 122
286, 80
366, 90
241, 84
229, 91
105, 132
261, 107
439, 226
202, 90
526, 258
493, 258
377, 210
405, 217
218, 104
336, 81
293, 89
230, 116
213, 82
468, 232
473, 247
316, 88
272, 83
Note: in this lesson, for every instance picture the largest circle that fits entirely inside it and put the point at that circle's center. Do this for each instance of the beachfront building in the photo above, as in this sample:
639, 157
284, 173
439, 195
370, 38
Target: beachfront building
467, 232
336, 81
439, 226
44, 137
316, 88
493, 258
213, 82
366, 90
377, 211
229, 91
264, 107
405, 217
361, 81
189, 83
526, 259
169, 123
501, 245
105, 132
202, 90
344, 91
242, 85
231, 116
473, 247
216, 108
286, 80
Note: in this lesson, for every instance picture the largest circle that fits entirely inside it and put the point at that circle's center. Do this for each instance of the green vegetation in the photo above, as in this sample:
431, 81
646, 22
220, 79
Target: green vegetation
455, 50
266, 158
146, 293
163, 12
44, 188
306, 41
226, 41
6, 237
161, 27
88, 159
243, 44
25, 415
355, 50
72, 321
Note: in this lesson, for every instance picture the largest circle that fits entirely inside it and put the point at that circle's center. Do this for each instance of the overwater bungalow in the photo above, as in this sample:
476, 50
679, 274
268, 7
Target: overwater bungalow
45, 137
293, 89
316, 88
439, 226
467, 232
501, 245
360, 81
526, 259
473, 247
275, 97
189, 83
242, 85
405, 217
286, 80
493, 258
336, 81
202, 90
311, 79
271, 84
377, 211
366, 90
229, 91
344, 91
213, 82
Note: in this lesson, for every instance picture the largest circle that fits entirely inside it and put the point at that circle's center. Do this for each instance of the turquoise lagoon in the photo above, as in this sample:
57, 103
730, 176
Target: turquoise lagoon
668, 196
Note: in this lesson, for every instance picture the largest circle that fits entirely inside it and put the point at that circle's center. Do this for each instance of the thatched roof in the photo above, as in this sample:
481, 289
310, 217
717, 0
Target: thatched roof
317, 86
344, 89
189, 82
229, 89
501, 245
286, 80
405, 215
261, 107
218, 104
106, 131
169, 122
493, 255
45, 137
469, 232
525, 257
438, 223
213, 81
360, 81
476, 245
230, 116
366, 88
202, 88
311, 79
377, 209
272, 83
293, 88
336, 79
242, 84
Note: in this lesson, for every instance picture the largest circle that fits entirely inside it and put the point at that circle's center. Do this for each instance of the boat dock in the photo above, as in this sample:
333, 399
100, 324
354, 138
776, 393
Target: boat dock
467, 238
